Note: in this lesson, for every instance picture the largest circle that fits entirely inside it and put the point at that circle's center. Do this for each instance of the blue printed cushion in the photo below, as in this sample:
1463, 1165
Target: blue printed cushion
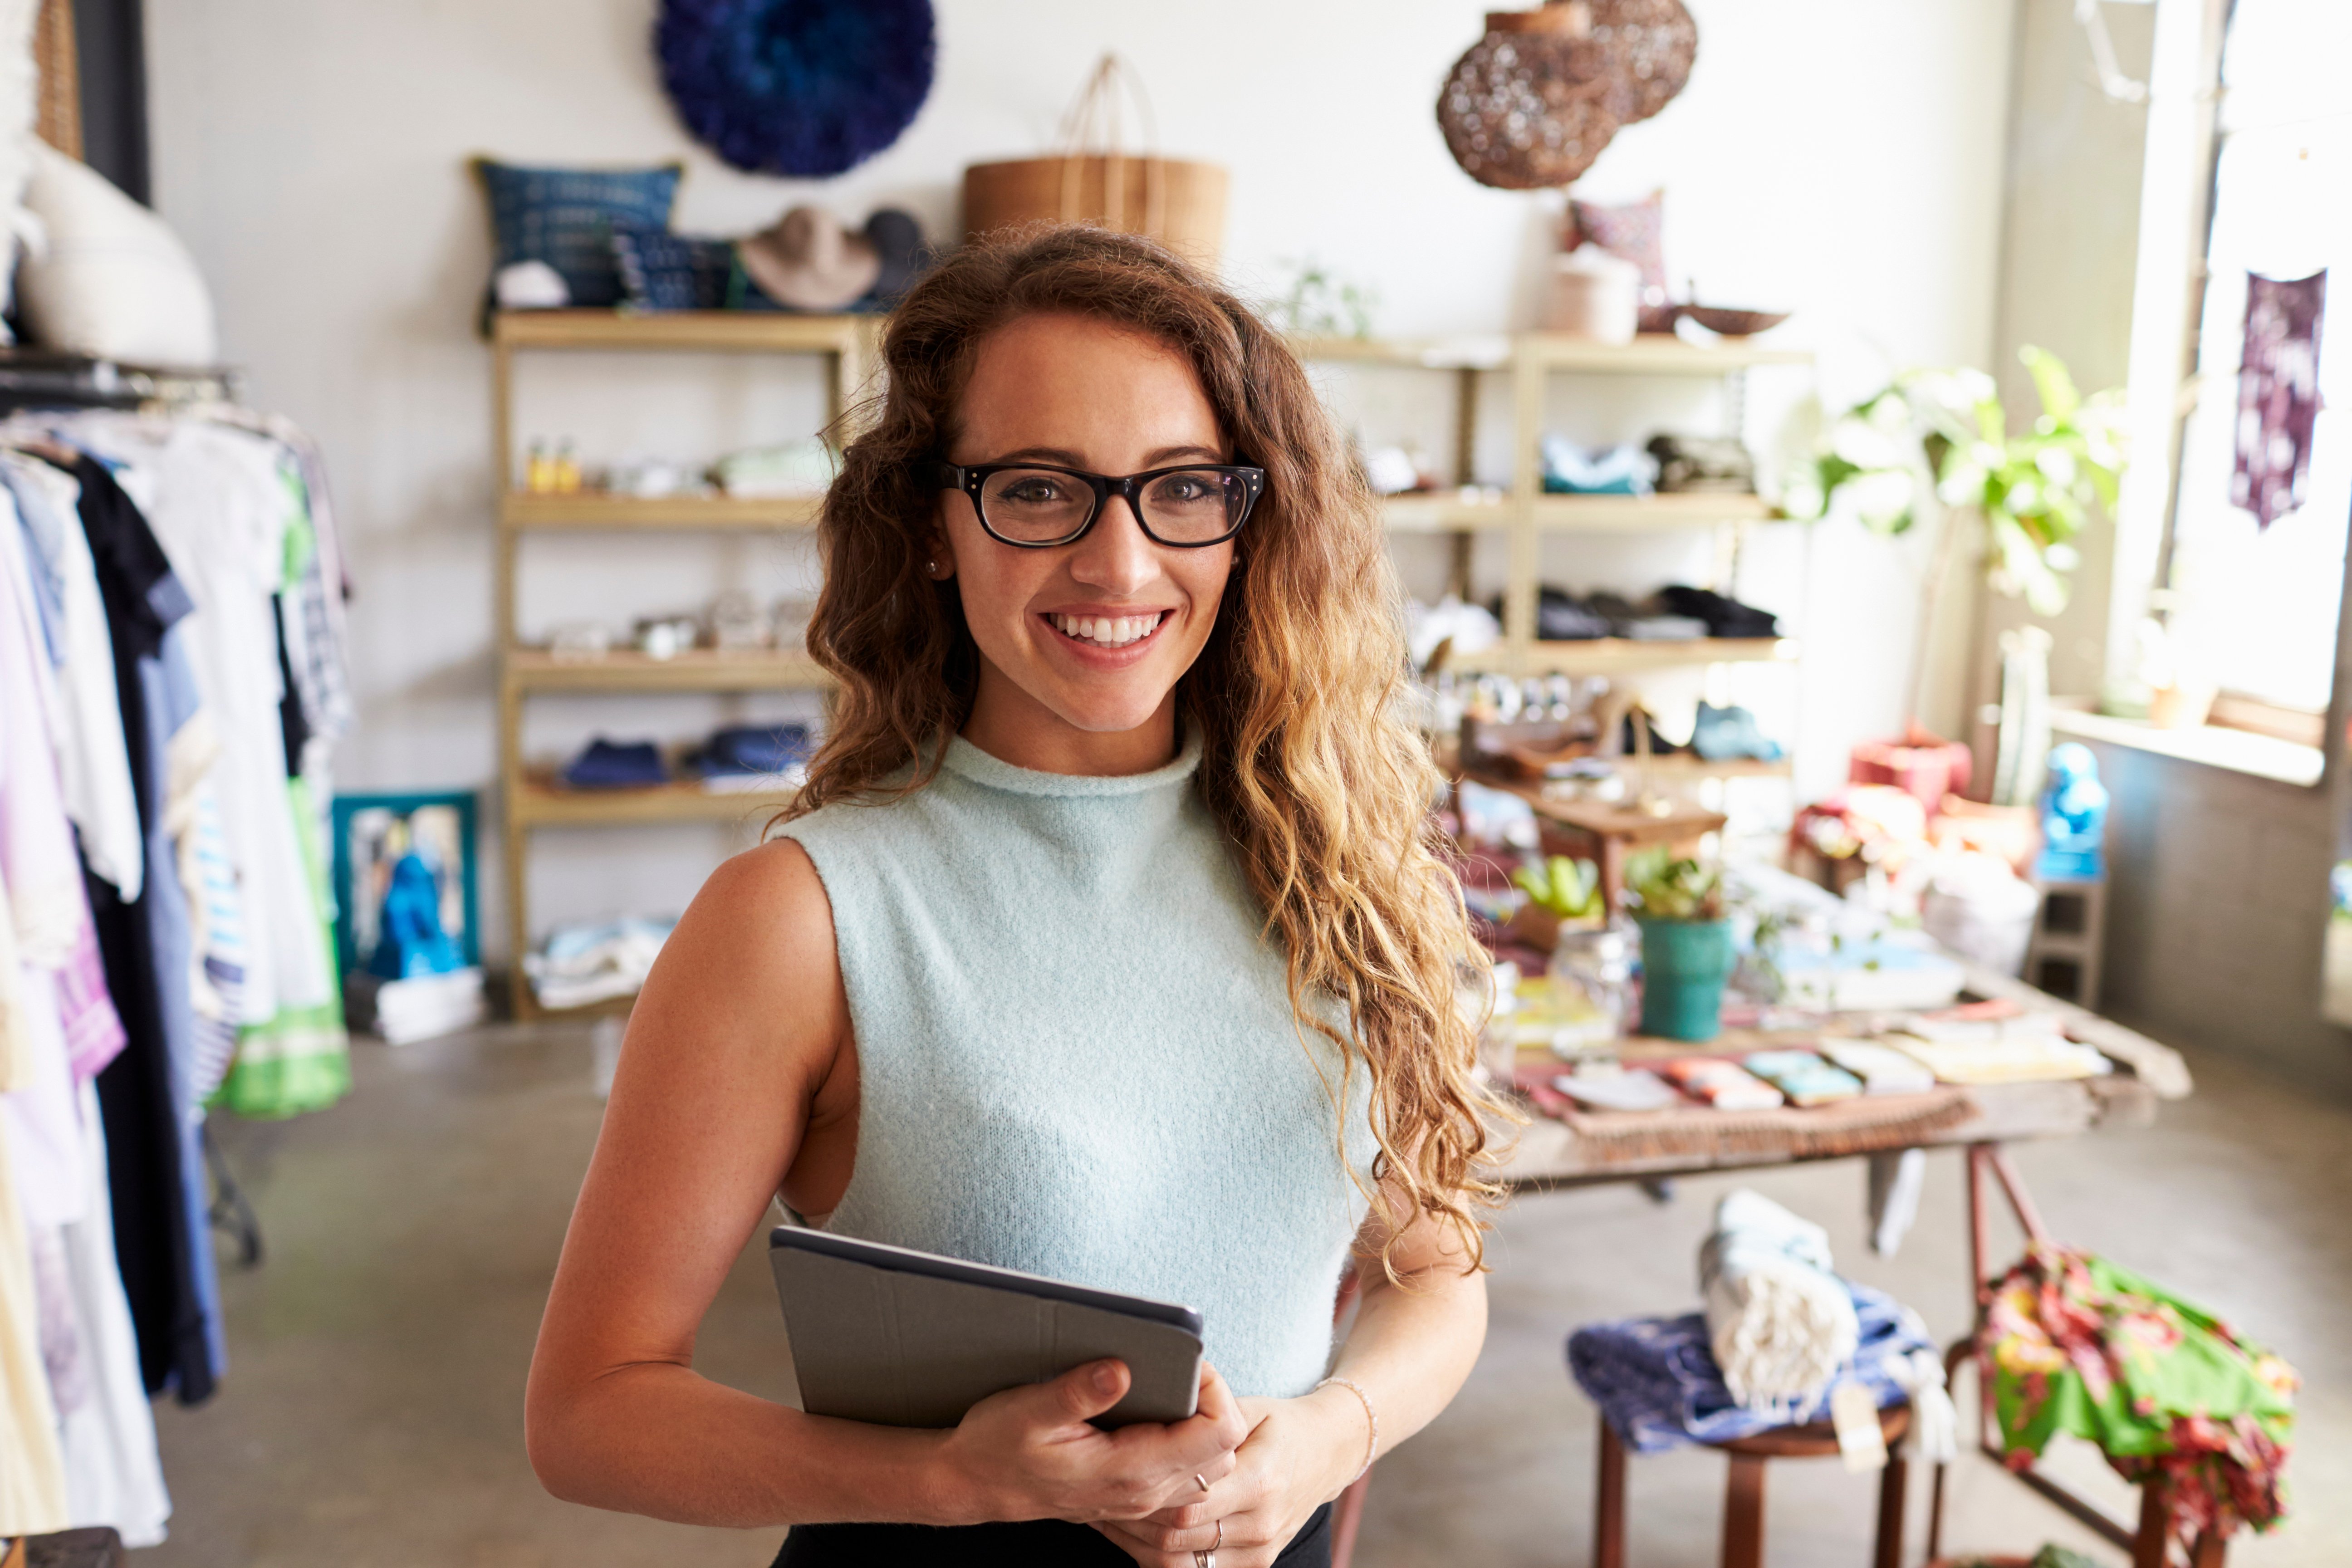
665, 271
566, 217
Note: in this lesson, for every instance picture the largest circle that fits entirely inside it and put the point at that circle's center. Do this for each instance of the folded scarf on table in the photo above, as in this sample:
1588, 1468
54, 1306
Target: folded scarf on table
2163, 1387
1656, 1381
1779, 1323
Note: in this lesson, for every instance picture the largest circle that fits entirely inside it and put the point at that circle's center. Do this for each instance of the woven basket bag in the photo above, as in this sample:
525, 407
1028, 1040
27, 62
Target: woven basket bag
1092, 179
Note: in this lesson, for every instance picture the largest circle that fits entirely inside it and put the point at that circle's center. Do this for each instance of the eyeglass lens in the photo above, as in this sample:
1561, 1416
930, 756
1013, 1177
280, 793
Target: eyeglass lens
1183, 506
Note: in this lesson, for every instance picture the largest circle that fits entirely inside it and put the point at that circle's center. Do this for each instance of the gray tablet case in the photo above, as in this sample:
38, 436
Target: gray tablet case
903, 1338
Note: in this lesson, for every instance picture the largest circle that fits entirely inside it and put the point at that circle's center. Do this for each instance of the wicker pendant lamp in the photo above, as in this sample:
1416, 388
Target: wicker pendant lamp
1533, 103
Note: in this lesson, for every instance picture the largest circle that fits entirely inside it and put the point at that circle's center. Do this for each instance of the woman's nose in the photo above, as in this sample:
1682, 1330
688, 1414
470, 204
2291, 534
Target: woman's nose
1116, 556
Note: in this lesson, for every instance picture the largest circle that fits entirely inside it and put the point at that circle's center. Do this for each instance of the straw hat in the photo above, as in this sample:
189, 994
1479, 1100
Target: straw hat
809, 262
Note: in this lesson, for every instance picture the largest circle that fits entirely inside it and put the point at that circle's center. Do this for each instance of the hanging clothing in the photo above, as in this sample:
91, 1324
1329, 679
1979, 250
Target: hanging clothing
32, 1467
2278, 393
114, 1474
93, 765
150, 1152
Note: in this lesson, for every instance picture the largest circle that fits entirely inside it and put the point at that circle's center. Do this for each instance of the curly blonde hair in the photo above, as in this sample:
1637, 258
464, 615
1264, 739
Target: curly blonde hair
1323, 793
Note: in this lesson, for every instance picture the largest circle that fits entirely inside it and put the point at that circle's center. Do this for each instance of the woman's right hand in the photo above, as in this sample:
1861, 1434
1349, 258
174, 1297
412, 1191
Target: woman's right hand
1035, 1453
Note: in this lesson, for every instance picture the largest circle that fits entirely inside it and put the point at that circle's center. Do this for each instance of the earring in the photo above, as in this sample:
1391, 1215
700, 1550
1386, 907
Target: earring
932, 567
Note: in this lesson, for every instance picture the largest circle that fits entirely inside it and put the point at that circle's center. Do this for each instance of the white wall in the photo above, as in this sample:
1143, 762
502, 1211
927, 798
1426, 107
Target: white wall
1839, 157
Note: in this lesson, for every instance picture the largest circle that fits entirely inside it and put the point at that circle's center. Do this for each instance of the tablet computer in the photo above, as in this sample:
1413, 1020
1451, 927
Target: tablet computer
902, 1337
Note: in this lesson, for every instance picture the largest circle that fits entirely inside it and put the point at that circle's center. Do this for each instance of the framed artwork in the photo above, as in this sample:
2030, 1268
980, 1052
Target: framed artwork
373, 834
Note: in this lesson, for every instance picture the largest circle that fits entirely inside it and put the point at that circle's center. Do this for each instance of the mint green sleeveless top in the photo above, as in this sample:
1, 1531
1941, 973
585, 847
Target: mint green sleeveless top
1076, 1055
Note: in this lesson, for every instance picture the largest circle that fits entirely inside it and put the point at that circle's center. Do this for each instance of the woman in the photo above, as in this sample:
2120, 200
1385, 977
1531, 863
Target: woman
1104, 943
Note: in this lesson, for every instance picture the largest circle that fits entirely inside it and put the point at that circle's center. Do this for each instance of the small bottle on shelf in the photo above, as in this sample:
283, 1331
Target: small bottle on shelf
539, 470
567, 470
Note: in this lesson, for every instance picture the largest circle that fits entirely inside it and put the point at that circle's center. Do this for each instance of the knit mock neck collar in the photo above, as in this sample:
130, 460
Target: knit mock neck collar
968, 761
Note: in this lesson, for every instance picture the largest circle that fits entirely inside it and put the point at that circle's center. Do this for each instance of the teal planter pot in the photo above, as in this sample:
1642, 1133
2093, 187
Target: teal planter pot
1685, 966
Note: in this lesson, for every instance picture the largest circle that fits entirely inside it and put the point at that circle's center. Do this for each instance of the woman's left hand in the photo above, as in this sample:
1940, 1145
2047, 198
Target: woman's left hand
1299, 1454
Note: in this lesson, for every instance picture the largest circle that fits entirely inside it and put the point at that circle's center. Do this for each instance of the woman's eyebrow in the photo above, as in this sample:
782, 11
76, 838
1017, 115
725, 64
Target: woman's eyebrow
1064, 458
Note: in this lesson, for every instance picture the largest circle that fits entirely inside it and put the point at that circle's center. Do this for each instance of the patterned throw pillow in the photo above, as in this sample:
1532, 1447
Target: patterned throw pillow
565, 218
665, 271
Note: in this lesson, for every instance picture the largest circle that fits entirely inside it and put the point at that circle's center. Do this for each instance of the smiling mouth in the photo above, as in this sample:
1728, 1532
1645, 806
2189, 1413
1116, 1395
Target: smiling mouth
1108, 631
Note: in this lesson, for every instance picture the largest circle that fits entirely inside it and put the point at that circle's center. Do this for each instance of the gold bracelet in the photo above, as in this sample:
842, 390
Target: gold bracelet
1371, 1417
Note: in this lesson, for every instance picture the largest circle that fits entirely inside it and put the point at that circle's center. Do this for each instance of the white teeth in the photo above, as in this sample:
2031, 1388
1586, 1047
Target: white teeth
1107, 631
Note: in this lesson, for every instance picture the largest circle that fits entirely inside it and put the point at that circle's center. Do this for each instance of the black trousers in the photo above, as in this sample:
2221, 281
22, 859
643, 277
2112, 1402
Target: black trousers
1041, 1543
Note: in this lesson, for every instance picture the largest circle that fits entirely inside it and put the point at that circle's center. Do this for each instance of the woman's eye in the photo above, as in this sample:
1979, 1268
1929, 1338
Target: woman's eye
1033, 493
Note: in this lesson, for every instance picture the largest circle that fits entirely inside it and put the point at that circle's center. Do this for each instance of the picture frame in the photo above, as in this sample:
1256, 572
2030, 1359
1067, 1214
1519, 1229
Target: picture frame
372, 832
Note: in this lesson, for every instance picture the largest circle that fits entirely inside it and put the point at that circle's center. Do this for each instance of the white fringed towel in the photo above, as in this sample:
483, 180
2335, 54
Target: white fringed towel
1779, 1323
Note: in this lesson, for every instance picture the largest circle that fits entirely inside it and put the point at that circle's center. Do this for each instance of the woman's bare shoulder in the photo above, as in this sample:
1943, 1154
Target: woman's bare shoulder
756, 943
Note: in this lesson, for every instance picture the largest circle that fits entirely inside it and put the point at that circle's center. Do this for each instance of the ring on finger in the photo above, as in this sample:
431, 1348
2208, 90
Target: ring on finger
1220, 1541
1205, 1559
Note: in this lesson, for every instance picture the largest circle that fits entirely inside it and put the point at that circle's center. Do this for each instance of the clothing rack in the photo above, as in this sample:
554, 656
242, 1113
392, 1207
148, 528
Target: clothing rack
46, 378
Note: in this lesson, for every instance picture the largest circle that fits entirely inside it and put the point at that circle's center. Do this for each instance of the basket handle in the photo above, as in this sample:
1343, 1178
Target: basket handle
1094, 121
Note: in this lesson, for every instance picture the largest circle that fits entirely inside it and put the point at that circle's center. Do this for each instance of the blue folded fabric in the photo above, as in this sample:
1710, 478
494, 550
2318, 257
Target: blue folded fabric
615, 764
1656, 1381
754, 748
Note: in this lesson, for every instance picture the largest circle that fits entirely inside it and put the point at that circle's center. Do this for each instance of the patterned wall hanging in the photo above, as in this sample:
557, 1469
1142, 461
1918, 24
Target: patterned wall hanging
805, 88
2278, 393
1535, 101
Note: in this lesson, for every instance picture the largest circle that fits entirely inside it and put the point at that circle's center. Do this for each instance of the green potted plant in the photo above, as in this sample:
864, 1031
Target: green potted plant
1687, 956
1938, 440
1562, 895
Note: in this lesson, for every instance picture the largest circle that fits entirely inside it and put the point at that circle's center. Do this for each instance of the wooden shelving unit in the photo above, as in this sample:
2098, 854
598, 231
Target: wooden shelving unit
533, 802
520, 509
1527, 515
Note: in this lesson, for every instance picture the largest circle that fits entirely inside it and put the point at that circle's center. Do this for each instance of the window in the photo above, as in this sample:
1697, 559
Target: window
2257, 603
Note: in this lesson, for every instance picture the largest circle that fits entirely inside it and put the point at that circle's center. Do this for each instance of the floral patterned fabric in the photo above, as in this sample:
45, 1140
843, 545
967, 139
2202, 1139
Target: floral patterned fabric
2164, 1388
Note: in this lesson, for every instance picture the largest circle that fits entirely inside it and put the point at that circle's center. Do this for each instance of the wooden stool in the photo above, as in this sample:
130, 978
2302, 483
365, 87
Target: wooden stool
1743, 1499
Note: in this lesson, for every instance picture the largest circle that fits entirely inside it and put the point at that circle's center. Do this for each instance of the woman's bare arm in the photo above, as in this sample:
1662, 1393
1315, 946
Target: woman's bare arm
737, 1031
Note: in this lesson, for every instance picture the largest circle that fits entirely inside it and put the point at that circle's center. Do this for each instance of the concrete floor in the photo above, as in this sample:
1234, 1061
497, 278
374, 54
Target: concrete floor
372, 1411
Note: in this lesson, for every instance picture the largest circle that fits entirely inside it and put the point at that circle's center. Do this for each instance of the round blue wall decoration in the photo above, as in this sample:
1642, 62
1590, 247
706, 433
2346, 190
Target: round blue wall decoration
808, 87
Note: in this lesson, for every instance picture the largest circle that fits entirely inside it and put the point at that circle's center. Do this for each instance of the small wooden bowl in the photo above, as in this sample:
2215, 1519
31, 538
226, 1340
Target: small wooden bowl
1733, 323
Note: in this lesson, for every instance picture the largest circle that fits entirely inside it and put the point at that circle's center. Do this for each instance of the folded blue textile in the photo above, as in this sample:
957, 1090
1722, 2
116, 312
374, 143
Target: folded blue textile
615, 764
754, 748
1656, 1381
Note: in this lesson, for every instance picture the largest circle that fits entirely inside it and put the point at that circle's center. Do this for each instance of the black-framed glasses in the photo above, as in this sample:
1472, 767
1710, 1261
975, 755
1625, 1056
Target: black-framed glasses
1036, 505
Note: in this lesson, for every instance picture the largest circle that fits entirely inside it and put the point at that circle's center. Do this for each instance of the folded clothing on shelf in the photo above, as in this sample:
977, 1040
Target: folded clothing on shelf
615, 764
1643, 623
579, 965
792, 468
1730, 735
1562, 617
1725, 618
753, 756
1702, 463
1569, 469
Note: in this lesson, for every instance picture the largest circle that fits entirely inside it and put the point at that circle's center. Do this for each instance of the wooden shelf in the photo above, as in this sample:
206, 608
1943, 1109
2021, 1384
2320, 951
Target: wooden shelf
1481, 351
702, 670
743, 332
1446, 511
1653, 354
1634, 515
595, 510
542, 803
1679, 766
1618, 655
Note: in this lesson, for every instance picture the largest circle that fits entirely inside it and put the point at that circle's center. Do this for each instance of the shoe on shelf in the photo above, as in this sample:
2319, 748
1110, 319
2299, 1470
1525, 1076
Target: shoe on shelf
1725, 618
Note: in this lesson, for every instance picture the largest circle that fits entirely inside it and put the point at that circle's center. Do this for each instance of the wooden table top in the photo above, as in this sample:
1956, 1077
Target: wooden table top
1612, 1146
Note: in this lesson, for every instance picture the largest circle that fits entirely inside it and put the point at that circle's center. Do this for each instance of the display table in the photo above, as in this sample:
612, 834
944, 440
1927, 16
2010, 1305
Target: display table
1579, 1148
